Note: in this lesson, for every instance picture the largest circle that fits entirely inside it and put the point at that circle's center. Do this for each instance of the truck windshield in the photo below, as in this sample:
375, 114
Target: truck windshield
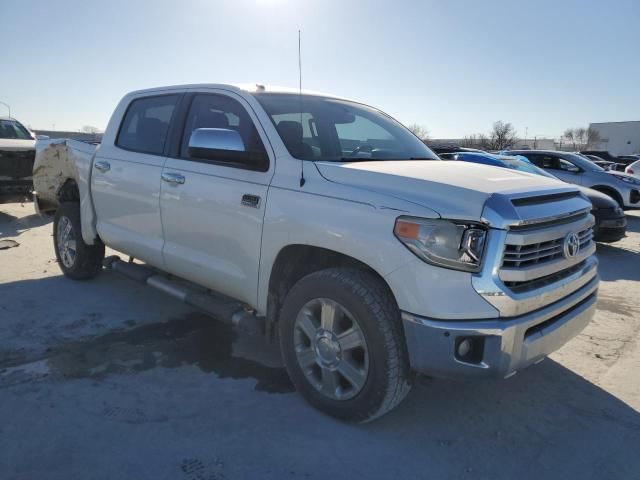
13, 130
322, 128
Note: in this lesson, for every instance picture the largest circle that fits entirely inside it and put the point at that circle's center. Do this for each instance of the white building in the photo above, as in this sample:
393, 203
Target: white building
619, 138
535, 144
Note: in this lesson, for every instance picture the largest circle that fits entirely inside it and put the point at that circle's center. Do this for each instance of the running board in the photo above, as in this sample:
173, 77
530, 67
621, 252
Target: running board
219, 306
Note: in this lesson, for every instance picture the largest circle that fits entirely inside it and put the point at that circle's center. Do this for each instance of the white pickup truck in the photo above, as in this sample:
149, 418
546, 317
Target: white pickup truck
331, 227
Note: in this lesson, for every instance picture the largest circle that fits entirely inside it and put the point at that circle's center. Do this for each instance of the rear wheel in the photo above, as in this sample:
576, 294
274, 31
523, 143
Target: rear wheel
343, 345
77, 259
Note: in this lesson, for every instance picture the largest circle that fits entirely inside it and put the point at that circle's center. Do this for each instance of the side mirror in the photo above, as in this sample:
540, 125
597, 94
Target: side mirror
224, 145
205, 142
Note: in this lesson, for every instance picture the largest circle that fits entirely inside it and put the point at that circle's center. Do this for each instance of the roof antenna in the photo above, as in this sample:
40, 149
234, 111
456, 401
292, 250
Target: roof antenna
302, 179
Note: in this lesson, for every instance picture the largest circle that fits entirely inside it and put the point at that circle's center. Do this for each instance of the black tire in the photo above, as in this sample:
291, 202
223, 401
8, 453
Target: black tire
368, 300
87, 259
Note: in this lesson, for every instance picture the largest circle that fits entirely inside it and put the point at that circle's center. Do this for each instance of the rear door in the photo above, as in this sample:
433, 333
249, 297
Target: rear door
212, 211
125, 179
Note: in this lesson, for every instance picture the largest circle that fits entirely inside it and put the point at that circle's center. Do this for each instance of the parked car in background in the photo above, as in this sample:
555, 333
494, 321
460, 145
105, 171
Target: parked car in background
611, 222
573, 168
17, 153
447, 149
604, 155
342, 235
633, 169
607, 165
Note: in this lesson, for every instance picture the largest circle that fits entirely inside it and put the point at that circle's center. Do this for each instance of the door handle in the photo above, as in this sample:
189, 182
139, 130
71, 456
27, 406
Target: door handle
249, 200
102, 166
173, 178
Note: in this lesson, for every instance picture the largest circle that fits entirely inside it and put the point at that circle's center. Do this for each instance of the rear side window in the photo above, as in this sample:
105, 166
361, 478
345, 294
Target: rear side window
146, 123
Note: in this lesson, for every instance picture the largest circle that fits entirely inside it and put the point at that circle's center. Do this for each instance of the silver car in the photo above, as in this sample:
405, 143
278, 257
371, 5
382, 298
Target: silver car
574, 168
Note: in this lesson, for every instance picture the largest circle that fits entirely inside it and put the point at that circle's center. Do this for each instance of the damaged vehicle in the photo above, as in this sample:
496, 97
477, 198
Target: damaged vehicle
328, 226
17, 153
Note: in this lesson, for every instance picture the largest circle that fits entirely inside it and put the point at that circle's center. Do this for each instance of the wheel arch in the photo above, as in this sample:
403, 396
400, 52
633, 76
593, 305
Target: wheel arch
294, 262
610, 191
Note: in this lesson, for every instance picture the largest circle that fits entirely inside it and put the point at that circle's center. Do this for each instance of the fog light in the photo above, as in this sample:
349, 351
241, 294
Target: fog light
469, 349
464, 347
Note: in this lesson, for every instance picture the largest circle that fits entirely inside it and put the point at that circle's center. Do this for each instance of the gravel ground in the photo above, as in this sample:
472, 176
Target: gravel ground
110, 379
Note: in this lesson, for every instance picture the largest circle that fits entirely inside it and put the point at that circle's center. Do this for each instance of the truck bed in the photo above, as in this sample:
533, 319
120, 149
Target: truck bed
57, 161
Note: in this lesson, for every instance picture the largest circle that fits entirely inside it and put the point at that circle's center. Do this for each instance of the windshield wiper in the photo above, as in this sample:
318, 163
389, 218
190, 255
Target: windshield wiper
359, 159
370, 159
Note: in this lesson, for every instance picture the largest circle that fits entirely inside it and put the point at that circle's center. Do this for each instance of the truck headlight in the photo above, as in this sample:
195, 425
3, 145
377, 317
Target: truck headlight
446, 243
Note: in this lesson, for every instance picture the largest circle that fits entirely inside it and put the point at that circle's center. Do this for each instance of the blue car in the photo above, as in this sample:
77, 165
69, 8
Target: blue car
611, 223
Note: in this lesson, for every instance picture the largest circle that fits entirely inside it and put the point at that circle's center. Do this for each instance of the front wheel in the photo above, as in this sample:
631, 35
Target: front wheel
343, 346
77, 259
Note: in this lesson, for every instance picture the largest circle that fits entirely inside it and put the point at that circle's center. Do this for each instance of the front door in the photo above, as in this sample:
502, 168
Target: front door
212, 211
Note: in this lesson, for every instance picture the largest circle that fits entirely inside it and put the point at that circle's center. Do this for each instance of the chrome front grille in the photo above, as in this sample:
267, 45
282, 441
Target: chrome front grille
534, 255
542, 252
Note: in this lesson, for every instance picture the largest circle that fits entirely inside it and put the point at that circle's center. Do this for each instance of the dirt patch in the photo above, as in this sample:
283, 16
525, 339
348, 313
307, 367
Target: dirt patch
194, 340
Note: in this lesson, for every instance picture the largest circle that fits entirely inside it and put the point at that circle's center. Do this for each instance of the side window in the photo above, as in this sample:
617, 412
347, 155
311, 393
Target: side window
566, 165
219, 111
555, 163
145, 125
533, 158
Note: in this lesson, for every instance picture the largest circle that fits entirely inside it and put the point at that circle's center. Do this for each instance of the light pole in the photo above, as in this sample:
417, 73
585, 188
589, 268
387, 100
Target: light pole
8, 108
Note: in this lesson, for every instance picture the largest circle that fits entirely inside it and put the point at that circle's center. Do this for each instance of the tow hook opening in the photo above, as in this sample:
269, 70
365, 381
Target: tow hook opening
469, 349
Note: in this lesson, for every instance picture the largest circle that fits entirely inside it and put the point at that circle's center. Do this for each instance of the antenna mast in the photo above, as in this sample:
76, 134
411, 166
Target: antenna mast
302, 180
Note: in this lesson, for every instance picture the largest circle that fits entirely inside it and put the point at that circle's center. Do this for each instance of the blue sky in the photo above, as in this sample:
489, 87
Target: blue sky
453, 66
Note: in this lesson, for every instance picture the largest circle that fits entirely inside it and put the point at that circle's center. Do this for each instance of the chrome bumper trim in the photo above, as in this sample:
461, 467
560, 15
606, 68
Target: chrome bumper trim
509, 344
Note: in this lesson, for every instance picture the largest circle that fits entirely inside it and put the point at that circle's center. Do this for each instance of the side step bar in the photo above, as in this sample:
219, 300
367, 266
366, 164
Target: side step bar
219, 306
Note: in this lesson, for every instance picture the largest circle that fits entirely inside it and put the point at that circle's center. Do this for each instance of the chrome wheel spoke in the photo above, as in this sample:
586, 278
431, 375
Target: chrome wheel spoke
306, 358
328, 315
350, 339
330, 382
71, 245
352, 374
306, 325
67, 230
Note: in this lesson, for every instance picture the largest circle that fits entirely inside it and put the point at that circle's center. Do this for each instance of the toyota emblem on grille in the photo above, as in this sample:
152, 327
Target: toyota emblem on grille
571, 245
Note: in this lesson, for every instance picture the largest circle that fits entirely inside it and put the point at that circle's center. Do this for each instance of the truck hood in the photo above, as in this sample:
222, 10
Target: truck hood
453, 189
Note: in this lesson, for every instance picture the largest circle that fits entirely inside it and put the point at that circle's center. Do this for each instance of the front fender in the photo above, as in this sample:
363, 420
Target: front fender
352, 228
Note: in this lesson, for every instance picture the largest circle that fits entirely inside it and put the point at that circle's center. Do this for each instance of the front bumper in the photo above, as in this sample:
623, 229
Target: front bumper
505, 345
15, 190
610, 226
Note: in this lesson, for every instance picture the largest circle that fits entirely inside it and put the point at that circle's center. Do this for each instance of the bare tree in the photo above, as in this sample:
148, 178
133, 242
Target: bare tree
569, 134
419, 131
502, 135
581, 136
479, 140
90, 129
592, 138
